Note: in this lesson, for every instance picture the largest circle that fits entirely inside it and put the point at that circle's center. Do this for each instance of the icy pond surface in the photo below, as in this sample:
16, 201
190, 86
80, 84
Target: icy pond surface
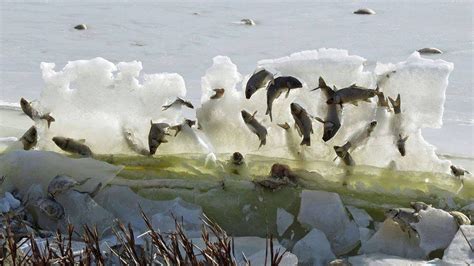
170, 37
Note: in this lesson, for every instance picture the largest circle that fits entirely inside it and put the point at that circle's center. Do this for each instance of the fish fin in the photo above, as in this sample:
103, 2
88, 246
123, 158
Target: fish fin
287, 93
405, 138
335, 158
334, 88
398, 101
262, 142
81, 140
355, 103
48, 119
322, 83
319, 119
164, 141
317, 88
377, 90
254, 113
306, 141
269, 112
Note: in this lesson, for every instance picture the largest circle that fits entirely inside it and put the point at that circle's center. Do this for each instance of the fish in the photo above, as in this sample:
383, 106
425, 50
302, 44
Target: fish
237, 158
332, 122
186, 122
404, 218
396, 104
218, 94
255, 126
382, 101
352, 94
277, 87
178, 102
62, 183
343, 153
73, 146
134, 143
458, 171
302, 122
401, 144
30, 138
430, 50
360, 137
51, 208
156, 136
257, 81
33, 113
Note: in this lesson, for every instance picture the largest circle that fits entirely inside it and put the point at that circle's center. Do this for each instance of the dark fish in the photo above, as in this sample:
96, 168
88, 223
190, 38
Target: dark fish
186, 122
351, 94
458, 171
33, 113
257, 81
303, 123
396, 104
156, 136
255, 127
30, 138
178, 102
73, 146
401, 144
277, 87
332, 123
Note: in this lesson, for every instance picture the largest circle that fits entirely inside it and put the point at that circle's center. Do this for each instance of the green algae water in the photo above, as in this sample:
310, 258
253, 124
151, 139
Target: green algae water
228, 194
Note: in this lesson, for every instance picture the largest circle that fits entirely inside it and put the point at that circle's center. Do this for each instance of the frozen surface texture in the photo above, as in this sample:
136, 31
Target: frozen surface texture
378, 259
284, 220
117, 100
460, 250
324, 211
314, 249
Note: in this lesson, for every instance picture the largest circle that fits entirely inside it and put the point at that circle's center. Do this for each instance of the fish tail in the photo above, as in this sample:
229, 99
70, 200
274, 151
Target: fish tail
306, 141
262, 142
48, 119
269, 112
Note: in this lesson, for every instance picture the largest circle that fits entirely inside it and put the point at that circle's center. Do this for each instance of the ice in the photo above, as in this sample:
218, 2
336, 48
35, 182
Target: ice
460, 250
360, 216
390, 239
436, 229
12, 201
284, 220
378, 259
118, 100
365, 234
25, 168
313, 249
325, 211
287, 259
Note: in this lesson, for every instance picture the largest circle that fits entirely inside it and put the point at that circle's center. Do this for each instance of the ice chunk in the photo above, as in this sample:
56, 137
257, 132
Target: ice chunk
325, 211
460, 251
378, 259
365, 234
12, 201
314, 249
391, 240
259, 258
188, 214
4, 205
360, 216
436, 229
24, 168
284, 220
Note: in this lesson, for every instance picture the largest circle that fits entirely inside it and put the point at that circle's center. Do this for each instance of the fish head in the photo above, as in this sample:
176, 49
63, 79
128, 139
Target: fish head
340, 151
60, 141
246, 115
292, 82
296, 109
237, 158
23, 102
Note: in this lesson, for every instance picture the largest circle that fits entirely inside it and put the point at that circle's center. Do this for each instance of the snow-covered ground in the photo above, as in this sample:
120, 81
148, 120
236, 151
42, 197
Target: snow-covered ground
170, 37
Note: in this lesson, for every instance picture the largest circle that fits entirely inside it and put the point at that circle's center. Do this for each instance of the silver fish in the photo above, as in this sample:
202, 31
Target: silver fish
257, 81
401, 144
156, 136
33, 113
134, 143
352, 94
303, 123
186, 122
30, 138
61, 183
255, 126
343, 153
332, 123
178, 102
396, 104
73, 146
277, 87
218, 94
51, 208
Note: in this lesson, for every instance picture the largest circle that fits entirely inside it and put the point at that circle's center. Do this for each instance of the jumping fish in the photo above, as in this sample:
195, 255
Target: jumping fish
255, 126
302, 122
257, 81
30, 138
218, 93
343, 153
33, 113
352, 94
401, 144
186, 122
332, 123
458, 171
134, 143
178, 102
73, 146
156, 136
277, 87
396, 104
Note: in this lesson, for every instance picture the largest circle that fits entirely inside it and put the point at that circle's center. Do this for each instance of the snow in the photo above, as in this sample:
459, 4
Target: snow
313, 249
284, 220
324, 211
